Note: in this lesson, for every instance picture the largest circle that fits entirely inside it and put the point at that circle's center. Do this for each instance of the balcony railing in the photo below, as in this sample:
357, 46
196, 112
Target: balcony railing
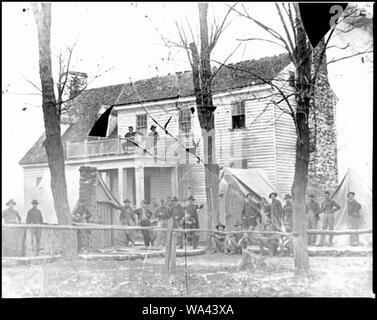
167, 148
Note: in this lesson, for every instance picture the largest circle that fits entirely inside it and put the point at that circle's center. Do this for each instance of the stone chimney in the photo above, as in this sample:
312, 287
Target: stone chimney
88, 190
77, 81
323, 165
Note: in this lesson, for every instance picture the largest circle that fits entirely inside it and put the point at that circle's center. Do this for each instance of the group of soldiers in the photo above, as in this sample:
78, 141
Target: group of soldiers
161, 214
255, 215
33, 216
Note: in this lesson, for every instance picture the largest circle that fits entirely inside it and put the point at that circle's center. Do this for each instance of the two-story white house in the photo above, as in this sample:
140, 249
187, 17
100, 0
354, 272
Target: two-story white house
251, 132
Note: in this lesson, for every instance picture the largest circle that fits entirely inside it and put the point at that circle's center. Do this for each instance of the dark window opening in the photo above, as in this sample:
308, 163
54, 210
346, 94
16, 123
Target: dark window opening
238, 115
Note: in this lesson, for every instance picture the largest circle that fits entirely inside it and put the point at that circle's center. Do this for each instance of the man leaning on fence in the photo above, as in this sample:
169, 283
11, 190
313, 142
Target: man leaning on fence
354, 217
34, 216
276, 211
328, 207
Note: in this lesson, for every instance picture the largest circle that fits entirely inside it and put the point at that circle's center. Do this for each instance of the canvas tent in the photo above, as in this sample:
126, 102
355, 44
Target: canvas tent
352, 182
235, 184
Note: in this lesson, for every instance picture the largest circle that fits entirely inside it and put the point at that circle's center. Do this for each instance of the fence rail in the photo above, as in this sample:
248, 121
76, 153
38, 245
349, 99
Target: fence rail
92, 226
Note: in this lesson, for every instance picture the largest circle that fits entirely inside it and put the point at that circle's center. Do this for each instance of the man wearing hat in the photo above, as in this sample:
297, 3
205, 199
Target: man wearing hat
130, 137
10, 215
34, 216
127, 218
192, 210
144, 215
312, 209
178, 215
237, 241
328, 207
287, 213
218, 239
251, 213
276, 211
152, 139
354, 217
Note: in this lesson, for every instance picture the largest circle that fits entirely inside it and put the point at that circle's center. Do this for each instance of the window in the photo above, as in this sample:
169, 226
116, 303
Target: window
238, 115
185, 120
39, 179
141, 123
291, 79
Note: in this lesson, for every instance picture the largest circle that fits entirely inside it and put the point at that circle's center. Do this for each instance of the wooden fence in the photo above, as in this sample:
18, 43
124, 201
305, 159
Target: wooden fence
171, 238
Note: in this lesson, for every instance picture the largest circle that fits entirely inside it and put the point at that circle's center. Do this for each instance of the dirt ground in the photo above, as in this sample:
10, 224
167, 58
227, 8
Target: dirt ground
207, 275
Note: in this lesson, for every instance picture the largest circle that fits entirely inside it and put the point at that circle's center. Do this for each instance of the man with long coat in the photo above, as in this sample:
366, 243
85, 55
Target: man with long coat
354, 217
34, 216
192, 210
276, 211
251, 213
287, 213
312, 209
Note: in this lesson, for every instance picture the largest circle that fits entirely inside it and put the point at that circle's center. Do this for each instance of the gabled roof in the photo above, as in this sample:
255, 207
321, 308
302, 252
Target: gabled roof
89, 102
86, 105
180, 84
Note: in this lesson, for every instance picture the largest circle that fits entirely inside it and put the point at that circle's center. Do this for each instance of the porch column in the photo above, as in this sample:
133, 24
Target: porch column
139, 184
120, 185
174, 181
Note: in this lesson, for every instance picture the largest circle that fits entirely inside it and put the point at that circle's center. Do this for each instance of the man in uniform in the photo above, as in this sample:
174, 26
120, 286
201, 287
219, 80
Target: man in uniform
144, 215
178, 215
127, 218
192, 209
237, 241
251, 213
218, 239
328, 207
129, 147
34, 216
276, 211
312, 209
152, 139
287, 213
163, 215
266, 216
10, 215
354, 217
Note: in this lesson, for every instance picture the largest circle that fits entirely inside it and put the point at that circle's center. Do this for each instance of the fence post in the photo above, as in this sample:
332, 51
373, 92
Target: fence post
170, 253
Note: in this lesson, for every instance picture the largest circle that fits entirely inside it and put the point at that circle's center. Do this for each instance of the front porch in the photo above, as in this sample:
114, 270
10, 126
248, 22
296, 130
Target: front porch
141, 183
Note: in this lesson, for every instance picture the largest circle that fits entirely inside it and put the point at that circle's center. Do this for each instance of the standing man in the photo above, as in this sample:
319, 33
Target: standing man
10, 215
10, 237
127, 218
354, 217
163, 214
178, 215
312, 213
276, 211
153, 137
287, 213
192, 210
129, 147
250, 213
34, 216
266, 216
328, 207
144, 217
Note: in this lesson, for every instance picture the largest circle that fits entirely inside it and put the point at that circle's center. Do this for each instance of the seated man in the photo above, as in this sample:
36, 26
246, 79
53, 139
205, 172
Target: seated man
218, 239
237, 241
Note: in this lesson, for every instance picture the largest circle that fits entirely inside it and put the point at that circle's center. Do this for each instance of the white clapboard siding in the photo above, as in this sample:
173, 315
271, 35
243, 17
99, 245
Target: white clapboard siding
285, 137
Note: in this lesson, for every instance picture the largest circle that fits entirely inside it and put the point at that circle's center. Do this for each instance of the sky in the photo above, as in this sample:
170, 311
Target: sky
119, 42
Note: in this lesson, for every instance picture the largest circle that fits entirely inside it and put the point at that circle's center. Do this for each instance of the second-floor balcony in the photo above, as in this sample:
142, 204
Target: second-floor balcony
167, 149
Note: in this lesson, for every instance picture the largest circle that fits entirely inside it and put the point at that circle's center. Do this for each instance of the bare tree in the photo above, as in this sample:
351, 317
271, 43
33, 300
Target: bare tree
308, 63
51, 114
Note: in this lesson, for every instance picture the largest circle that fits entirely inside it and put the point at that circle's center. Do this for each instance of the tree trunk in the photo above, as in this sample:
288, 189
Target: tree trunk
53, 144
301, 259
202, 77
